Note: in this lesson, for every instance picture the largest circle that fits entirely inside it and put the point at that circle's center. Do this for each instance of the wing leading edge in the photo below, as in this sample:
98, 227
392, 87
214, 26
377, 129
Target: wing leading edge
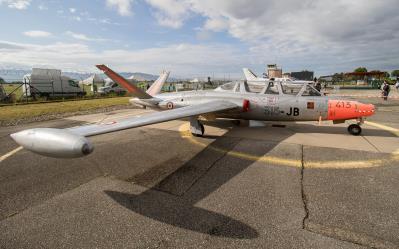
153, 118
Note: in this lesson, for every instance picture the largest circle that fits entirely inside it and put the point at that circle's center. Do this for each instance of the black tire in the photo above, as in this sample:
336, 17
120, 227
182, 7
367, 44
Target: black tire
202, 132
355, 129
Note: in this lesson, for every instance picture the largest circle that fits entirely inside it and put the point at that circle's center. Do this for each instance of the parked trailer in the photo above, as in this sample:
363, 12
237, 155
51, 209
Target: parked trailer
50, 83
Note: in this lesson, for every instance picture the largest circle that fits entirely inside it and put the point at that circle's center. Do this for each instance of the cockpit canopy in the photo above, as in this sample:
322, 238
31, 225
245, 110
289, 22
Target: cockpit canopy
271, 87
299, 90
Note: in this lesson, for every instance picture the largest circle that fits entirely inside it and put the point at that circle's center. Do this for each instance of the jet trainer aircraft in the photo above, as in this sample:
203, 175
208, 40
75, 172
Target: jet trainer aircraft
276, 101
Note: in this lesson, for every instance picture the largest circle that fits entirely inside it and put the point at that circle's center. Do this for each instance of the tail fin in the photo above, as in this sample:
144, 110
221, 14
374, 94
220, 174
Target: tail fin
131, 88
157, 85
249, 75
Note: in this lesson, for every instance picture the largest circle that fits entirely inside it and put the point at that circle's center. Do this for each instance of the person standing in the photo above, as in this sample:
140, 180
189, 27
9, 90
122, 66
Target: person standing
397, 84
385, 90
318, 86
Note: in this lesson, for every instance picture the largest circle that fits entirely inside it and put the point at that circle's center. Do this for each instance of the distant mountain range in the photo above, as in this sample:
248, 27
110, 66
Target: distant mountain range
12, 75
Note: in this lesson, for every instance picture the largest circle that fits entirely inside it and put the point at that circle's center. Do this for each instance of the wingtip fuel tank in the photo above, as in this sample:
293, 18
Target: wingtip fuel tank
53, 142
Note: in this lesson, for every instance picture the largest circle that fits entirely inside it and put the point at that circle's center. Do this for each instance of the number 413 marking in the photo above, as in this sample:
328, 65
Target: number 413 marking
343, 104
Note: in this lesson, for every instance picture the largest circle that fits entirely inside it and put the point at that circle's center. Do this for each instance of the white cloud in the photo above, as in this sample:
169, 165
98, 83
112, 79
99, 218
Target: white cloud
170, 13
326, 36
16, 4
184, 60
216, 24
82, 37
37, 33
72, 10
316, 34
123, 6
42, 7
76, 18
77, 36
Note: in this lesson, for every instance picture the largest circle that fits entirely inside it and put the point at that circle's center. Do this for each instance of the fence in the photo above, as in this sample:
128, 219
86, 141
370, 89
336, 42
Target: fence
14, 93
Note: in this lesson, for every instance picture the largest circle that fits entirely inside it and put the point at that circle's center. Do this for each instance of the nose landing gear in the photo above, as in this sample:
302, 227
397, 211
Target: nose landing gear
355, 129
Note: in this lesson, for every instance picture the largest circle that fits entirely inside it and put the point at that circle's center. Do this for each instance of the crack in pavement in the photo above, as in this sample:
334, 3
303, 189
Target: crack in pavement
335, 232
368, 141
220, 156
305, 224
223, 155
303, 195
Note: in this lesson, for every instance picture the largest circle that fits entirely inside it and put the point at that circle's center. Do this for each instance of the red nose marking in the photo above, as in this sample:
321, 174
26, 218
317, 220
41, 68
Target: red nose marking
344, 109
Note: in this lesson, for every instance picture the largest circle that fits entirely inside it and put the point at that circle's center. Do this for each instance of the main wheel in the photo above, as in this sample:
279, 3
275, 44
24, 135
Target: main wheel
354, 129
202, 131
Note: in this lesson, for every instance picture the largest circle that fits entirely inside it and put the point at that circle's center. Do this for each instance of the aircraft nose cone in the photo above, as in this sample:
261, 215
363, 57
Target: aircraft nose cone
20, 136
367, 109
371, 107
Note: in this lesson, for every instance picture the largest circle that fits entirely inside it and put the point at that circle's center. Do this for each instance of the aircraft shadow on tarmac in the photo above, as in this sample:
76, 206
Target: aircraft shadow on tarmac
308, 128
293, 128
172, 201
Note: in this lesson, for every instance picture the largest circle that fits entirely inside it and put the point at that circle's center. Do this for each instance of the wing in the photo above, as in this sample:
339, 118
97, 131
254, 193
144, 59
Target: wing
71, 142
153, 118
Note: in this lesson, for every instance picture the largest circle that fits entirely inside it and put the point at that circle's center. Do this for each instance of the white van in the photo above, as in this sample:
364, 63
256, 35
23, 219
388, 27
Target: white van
50, 83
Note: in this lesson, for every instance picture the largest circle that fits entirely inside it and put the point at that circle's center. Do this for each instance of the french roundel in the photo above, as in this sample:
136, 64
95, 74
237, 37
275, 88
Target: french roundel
169, 105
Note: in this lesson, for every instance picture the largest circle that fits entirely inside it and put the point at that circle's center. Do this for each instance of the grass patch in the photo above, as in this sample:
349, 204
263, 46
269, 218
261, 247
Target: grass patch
16, 112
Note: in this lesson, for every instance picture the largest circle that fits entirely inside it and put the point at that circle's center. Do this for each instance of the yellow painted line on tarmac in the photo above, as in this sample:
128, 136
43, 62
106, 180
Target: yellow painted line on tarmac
185, 133
384, 127
7, 155
372, 163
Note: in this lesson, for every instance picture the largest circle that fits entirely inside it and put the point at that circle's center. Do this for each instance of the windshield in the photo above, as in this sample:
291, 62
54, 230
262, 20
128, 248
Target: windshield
291, 89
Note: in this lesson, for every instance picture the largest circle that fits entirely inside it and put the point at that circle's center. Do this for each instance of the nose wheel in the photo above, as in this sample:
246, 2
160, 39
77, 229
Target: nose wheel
354, 129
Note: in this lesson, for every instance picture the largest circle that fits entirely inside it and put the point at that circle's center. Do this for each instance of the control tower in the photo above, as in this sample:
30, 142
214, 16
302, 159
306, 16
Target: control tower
273, 71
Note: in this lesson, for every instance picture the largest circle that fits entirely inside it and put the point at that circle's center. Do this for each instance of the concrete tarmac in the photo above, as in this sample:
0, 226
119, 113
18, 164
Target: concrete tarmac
291, 185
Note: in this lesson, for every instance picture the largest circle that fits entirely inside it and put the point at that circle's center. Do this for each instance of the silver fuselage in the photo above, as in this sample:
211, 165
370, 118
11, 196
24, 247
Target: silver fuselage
262, 106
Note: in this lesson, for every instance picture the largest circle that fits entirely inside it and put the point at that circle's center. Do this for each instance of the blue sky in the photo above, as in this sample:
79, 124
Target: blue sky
199, 38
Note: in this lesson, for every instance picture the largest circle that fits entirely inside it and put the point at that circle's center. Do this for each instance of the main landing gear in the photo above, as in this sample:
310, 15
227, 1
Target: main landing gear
196, 128
355, 129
